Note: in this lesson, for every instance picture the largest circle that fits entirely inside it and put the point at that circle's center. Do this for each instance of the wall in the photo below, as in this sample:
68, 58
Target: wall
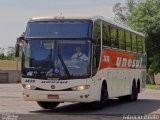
10, 76
10, 71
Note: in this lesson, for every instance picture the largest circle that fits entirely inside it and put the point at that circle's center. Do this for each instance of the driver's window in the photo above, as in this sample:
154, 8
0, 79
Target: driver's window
73, 57
96, 46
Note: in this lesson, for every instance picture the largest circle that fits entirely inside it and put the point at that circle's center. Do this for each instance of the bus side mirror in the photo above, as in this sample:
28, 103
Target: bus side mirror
17, 46
17, 50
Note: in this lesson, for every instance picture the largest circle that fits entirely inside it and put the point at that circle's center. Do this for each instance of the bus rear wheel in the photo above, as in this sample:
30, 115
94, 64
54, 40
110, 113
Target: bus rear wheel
134, 94
103, 100
48, 105
132, 97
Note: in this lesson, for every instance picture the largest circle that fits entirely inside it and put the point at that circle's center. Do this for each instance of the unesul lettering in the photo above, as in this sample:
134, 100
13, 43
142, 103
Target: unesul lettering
124, 62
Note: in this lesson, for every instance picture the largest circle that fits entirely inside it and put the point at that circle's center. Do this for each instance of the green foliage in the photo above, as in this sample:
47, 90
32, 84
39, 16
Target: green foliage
10, 53
144, 16
123, 11
2, 56
151, 86
155, 65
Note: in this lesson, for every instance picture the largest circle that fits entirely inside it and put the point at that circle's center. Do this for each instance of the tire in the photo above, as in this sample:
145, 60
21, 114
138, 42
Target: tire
103, 100
48, 105
138, 87
134, 94
132, 97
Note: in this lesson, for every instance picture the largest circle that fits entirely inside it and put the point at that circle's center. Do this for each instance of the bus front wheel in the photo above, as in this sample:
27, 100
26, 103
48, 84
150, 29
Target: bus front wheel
48, 105
103, 100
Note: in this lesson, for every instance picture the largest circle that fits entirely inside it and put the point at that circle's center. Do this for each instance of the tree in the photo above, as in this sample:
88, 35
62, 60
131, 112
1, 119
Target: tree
154, 68
123, 11
144, 16
10, 53
2, 56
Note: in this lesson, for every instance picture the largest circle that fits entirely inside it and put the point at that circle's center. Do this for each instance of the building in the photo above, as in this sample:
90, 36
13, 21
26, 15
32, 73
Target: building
9, 71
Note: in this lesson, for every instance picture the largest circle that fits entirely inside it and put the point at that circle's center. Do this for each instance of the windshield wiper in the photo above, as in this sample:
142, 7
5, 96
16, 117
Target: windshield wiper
64, 65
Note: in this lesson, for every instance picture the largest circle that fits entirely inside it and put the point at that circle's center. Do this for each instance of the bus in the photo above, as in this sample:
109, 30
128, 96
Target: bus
86, 60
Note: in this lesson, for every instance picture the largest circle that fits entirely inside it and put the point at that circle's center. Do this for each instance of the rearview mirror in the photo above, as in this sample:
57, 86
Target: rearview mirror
17, 50
17, 46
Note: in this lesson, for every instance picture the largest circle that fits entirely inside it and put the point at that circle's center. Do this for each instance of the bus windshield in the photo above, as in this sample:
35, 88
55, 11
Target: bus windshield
59, 29
39, 53
57, 58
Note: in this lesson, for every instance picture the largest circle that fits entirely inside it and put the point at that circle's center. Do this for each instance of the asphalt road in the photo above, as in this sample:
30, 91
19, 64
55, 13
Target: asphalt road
12, 105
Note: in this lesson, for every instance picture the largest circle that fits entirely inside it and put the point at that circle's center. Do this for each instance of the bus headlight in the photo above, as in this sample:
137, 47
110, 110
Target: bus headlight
81, 87
29, 87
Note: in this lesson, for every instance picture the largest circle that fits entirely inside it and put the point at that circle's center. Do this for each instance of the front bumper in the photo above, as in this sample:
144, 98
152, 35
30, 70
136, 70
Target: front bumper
64, 96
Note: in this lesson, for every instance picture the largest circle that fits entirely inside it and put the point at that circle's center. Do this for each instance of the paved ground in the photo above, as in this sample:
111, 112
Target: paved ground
11, 102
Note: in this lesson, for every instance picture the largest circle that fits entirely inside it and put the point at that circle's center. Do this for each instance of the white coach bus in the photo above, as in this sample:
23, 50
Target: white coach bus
87, 60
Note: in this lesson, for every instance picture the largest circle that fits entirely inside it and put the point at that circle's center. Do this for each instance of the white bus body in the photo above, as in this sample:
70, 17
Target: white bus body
117, 70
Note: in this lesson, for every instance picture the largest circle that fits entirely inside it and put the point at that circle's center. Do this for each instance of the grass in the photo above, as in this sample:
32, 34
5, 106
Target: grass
152, 86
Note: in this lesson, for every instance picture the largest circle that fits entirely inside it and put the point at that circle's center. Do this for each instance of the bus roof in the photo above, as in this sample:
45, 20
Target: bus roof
92, 18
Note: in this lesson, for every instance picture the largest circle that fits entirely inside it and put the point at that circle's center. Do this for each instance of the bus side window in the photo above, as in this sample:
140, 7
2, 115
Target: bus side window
143, 45
105, 34
139, 44
96, 46
134, 43
97, 30
128, 41
121, 39
114, 37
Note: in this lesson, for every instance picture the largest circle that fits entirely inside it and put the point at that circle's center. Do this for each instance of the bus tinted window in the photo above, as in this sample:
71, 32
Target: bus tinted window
128, 41
121, 39
134, 43
59, 29
96, 46
143, 45
97, 30
105, 34
139, 44
114, 37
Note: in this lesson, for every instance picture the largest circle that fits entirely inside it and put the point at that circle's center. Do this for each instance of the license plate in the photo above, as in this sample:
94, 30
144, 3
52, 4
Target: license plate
53, 96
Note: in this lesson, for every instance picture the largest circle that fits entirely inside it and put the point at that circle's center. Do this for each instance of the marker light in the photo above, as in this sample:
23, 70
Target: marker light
81, 87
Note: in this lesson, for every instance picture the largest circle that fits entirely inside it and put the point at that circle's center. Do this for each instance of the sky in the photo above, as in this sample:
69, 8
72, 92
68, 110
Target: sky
15, 13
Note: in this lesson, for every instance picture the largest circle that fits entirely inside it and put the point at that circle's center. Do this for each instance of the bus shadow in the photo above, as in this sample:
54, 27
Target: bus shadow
115, 108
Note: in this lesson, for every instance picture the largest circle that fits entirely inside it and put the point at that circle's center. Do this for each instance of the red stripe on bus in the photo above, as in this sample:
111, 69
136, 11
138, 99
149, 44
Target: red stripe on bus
116, 59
